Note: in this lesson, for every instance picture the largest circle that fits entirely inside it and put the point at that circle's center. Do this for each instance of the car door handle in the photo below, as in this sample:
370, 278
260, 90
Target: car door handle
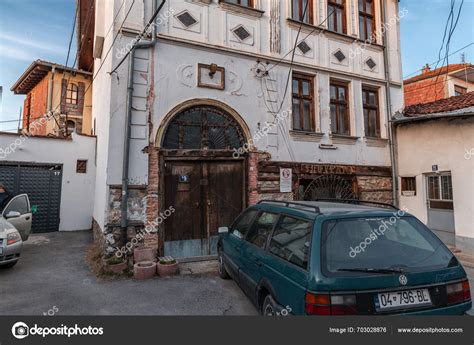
258, 263
27, 218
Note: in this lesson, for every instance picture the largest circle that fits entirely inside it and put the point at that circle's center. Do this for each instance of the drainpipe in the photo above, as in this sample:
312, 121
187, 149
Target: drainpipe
389, 108
128, 115
50, 90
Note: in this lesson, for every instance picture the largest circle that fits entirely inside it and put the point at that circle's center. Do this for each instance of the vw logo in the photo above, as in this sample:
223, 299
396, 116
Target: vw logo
403, 279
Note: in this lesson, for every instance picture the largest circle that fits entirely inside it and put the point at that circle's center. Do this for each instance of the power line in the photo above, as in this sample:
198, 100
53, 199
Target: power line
72, 35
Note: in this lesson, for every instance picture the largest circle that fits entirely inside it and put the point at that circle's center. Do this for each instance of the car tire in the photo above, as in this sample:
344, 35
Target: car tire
221, 267
269, 306
9, 265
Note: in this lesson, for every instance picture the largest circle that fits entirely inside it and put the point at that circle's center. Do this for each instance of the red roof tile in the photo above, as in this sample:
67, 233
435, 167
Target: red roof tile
442, 105
440, 71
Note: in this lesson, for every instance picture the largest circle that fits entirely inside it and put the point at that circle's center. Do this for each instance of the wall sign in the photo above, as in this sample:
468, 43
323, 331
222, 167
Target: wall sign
434, 167
285, 180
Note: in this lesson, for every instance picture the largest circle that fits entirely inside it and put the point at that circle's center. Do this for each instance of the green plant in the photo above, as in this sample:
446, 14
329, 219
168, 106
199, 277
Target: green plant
167, 260
114, 260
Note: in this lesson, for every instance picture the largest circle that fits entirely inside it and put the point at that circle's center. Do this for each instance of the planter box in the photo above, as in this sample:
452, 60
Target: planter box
117, 268
144, 270
167, 270
144, 254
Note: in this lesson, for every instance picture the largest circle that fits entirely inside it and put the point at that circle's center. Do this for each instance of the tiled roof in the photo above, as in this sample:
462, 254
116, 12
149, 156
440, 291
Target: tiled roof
442, 70
441, 106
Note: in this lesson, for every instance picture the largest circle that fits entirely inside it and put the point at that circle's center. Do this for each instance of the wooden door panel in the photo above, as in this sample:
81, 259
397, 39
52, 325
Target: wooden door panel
183, 192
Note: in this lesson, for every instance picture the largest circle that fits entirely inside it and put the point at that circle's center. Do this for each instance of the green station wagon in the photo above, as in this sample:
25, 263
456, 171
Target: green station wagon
341, 258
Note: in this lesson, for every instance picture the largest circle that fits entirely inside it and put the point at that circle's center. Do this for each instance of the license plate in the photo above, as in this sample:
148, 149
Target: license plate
402, 299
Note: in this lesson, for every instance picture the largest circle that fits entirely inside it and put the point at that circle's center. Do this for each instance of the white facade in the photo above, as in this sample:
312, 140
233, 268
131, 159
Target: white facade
77, 189
449, 144
167, 75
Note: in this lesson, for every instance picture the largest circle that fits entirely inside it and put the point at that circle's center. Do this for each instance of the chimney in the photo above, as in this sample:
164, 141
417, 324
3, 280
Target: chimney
426, 68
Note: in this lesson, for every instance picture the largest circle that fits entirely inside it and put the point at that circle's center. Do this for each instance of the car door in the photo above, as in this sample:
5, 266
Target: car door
18, 213
253, 252
232, 242
285, 267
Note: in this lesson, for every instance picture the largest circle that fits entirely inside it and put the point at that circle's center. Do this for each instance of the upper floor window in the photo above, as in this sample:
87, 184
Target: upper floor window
303, 103
459, 90
367, 20
246, 3
302, 11
339, 105
370, 104
337, 16
71, 93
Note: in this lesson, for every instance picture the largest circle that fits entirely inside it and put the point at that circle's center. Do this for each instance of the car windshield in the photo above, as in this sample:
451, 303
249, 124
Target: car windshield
381, 245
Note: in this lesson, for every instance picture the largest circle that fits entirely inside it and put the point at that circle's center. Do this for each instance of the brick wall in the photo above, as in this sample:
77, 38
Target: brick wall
72, 109
38, 102
425, 91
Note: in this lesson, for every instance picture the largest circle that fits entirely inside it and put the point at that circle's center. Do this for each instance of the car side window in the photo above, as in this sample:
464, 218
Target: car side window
262, 228
290, 241
242, 225
17, 204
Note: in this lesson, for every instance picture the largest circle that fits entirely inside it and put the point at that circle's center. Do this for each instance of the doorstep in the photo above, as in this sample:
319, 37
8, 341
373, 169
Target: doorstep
209, 266
466, 259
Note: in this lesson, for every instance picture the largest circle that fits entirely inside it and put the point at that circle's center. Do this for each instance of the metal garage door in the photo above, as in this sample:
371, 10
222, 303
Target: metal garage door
42, 183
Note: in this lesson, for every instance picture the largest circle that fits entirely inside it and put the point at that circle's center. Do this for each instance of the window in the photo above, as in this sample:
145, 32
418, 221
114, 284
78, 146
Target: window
241, 226
370, 103
339, 108
246, 3
71, 93
459, 90
71, 126
261, 229
298, 9
440, 191
367, 20
408, 185
337, 16
81, 166
303, 106
290, 241
18, 204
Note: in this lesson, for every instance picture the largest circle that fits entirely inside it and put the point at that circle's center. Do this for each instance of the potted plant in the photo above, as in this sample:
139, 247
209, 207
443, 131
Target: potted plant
115, 265
167, 266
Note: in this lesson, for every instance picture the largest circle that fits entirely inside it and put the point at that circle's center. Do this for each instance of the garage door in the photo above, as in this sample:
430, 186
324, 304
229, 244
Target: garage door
42, 183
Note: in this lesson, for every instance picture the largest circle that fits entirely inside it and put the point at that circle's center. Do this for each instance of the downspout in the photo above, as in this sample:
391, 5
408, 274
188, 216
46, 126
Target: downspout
50, 90
388, 99
128, 115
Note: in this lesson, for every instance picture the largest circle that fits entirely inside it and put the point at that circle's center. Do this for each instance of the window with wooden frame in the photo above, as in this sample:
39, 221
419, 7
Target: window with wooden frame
337, 16
71, 93
408, 186
298, 9
339, 104
367, 20
459, 90
245, 3
303, 102
440, 191
370, 104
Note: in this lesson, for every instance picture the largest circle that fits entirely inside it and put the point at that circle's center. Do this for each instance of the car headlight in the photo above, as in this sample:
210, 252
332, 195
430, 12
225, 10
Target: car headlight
13, 237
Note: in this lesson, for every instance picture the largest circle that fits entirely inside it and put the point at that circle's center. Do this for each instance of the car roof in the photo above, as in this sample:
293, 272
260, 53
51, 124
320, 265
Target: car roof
312, 209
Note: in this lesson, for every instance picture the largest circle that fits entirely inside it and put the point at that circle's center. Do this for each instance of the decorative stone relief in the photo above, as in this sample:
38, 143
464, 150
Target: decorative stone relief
275, 43
185, 74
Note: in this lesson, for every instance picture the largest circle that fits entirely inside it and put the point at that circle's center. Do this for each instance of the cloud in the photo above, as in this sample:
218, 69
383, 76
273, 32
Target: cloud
15, 53
37, 44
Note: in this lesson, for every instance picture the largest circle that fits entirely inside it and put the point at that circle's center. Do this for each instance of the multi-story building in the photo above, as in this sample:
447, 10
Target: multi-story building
58, 99
439, 83
229, 102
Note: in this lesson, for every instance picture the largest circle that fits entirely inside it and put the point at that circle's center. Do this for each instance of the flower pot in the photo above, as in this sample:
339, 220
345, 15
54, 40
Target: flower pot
116, 268
144, 254
144, 270
167, 270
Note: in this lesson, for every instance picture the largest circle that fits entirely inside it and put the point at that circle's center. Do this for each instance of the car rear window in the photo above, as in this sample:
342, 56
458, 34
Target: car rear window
381, 243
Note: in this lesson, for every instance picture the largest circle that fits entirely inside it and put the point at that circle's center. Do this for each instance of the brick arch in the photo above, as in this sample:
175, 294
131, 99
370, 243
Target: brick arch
197, 102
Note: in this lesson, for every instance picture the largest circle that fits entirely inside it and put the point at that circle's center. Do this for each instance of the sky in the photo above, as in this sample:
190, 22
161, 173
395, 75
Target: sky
41, 29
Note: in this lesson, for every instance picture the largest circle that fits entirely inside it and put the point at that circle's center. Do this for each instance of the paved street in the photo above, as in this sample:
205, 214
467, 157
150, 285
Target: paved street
53, 277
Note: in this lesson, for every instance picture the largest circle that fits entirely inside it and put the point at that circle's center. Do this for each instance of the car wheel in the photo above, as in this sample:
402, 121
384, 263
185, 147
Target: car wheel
10, 265
221, 268
269, 306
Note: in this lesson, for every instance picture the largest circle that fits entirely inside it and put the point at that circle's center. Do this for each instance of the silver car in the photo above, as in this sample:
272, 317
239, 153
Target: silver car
15, 227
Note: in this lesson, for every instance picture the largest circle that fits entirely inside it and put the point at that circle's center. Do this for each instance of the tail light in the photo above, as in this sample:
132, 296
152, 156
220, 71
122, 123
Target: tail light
325, 304
459, 292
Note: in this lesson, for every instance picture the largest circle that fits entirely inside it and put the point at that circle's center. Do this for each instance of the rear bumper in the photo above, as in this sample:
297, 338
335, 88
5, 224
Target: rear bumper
457, 309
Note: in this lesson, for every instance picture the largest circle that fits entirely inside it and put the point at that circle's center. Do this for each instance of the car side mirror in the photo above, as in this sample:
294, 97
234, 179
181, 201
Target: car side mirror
223, 230
13, 214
